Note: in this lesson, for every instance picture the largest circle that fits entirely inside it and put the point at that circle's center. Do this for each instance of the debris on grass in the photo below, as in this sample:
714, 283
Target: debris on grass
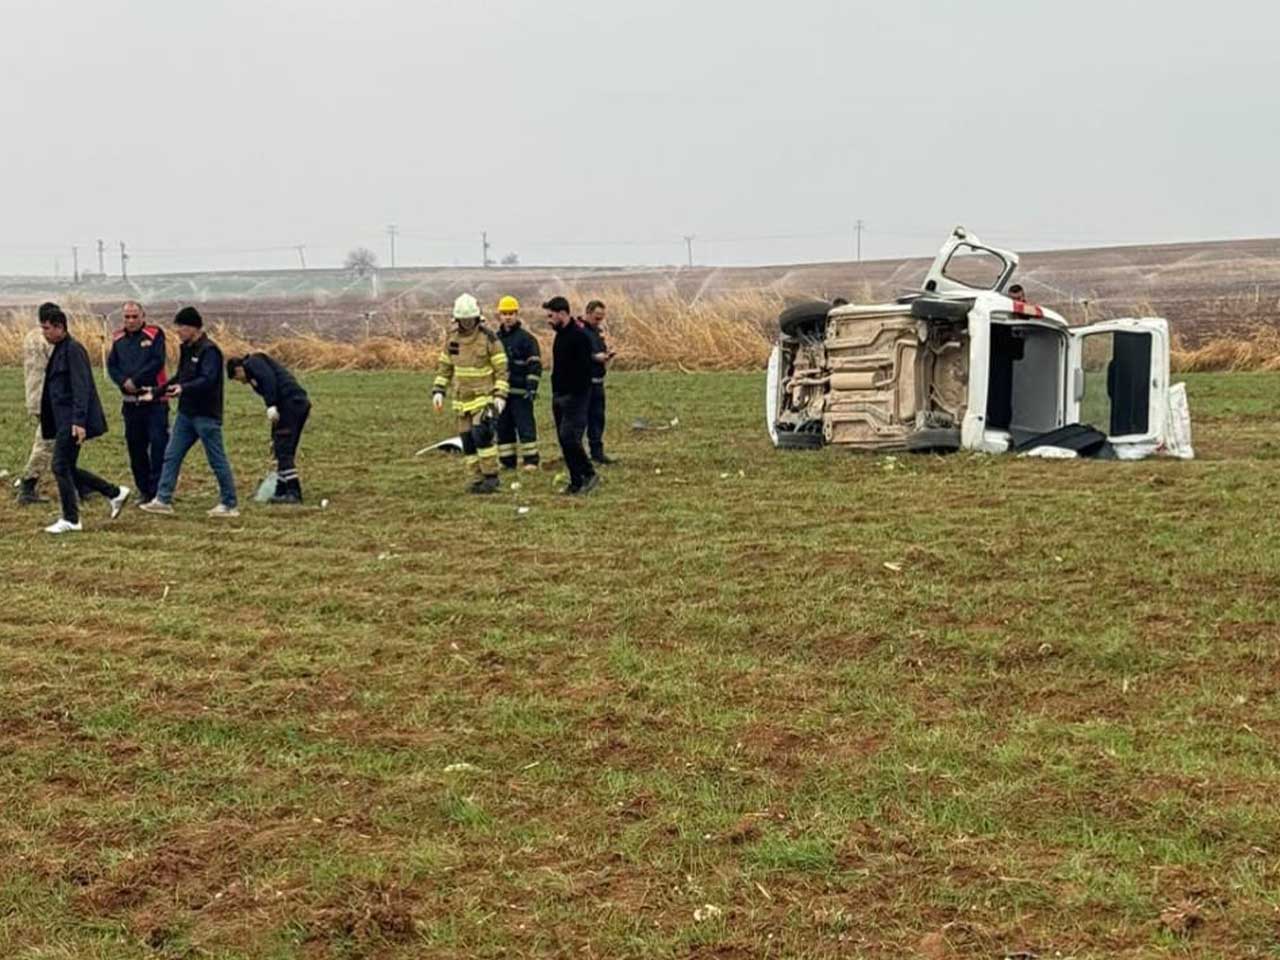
640, 423
708, 911
462, 767
744, 831
521, 511
894, 567
1182, 919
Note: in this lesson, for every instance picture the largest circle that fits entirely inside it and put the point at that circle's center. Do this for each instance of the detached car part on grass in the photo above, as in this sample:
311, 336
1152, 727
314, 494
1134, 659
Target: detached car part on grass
962, 365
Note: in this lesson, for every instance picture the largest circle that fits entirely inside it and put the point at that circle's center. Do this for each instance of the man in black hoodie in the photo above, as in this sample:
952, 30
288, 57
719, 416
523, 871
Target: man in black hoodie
70, 414
571, 393
287, 410
198, 387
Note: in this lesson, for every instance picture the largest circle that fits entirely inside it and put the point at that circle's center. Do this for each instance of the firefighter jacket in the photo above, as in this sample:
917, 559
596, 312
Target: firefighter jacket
524, 361
476, 364
36, 351
138, 357
273, 382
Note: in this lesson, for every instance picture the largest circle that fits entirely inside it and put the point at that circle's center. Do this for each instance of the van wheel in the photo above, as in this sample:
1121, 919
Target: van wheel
808, 318
799, 440
934, 440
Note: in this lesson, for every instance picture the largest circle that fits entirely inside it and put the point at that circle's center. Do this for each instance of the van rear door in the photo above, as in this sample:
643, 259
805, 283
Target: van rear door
965, 264
1120, 381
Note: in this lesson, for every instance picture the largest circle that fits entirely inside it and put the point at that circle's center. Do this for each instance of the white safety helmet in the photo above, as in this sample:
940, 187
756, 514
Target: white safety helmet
466, 308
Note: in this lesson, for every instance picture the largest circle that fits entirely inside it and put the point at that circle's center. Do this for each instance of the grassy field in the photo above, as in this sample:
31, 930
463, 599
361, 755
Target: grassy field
738, 704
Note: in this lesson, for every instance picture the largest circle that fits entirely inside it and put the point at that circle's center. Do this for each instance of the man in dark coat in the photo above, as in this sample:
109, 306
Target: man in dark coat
288, 407
70, 414
571, 393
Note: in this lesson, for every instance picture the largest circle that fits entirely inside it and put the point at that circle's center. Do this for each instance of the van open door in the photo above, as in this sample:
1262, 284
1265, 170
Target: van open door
965, 264
1119, 382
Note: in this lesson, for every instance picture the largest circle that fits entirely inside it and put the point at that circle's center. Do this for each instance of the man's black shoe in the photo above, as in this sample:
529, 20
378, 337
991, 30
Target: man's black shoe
604, 459
484, 485
589, 484
287, 497
28, 494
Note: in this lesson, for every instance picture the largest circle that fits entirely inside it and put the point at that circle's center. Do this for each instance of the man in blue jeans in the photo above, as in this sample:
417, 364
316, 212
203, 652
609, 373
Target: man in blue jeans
198, 385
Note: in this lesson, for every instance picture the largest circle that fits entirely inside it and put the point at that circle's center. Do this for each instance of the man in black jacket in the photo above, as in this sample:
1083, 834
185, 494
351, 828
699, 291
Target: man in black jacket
571, 393
198, 387
287, 410
70, 414
601, 357
136, 366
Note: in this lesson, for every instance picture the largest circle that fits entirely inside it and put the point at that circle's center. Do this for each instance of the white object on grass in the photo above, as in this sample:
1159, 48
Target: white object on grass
452, 445
267, 488
1176, 439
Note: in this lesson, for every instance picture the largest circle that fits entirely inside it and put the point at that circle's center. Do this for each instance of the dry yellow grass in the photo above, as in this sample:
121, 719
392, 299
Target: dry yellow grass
727, 332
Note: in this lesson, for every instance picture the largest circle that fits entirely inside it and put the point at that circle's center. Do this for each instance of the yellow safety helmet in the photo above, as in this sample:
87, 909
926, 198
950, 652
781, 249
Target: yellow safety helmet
508, 304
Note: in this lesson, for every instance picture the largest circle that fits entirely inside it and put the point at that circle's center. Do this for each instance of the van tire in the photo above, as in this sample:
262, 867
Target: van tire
809, 317
799, 440
934, 440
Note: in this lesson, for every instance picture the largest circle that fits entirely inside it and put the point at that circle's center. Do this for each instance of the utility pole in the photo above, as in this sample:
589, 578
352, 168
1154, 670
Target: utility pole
124, 263
392, 230
688, 242
302, 254
75, 264
102, 268
857, 232
484, 248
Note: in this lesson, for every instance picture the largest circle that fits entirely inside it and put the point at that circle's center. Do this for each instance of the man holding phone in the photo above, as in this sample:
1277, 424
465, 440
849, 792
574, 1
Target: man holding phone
601, 357
70, 414
198, 385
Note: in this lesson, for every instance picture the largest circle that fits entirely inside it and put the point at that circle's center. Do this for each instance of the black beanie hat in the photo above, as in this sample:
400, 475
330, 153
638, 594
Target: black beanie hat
557, 305
188, 317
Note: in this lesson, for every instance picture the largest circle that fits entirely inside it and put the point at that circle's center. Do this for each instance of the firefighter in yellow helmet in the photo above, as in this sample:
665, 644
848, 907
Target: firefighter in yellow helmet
474, 361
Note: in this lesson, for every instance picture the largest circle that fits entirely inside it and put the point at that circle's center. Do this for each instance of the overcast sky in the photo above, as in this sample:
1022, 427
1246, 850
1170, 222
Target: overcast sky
204, 134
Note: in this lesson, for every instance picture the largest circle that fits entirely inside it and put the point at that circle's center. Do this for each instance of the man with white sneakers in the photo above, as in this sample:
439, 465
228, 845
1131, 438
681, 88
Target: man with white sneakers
198, 385
70, 414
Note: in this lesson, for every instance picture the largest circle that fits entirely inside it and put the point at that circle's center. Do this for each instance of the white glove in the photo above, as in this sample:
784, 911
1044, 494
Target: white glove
273, 414
437, 401
499, 404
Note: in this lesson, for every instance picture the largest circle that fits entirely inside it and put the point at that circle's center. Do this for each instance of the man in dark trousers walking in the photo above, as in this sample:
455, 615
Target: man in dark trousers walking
198, 386
136, 366
70, 414
288, 407
571, 393
601, 357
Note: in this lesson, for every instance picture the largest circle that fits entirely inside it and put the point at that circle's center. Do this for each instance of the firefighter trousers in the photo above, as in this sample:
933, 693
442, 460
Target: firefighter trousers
476, 432
518, 432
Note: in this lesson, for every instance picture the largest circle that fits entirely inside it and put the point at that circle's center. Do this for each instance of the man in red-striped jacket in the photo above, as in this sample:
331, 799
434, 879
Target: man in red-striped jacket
135, 364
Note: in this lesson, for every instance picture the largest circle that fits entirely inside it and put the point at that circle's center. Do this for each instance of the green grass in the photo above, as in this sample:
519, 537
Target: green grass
418, 723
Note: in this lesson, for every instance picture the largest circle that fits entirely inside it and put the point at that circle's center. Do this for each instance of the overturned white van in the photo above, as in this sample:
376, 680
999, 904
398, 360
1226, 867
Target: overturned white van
962, 365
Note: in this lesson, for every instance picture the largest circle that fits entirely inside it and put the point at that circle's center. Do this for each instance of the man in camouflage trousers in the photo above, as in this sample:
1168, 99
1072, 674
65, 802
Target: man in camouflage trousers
474, 361
35, 358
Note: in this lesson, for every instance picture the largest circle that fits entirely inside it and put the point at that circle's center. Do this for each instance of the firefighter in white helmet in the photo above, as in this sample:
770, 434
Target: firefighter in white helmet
474, 361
